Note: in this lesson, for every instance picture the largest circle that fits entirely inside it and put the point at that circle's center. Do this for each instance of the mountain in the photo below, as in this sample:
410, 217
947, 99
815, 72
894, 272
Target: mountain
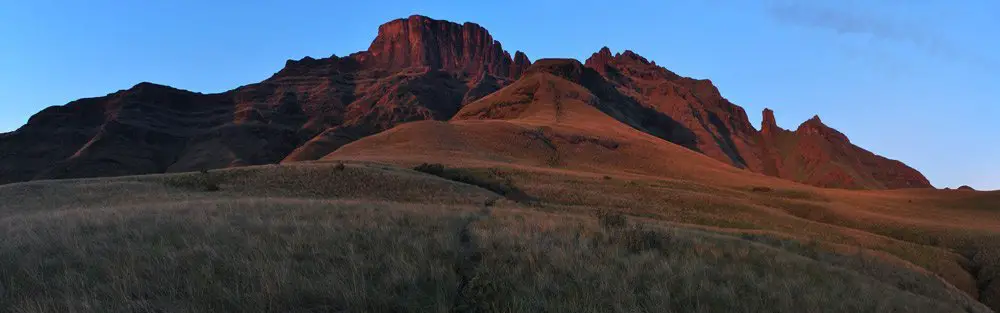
814, 154
420, 69
818, 155
559, 115
416, 68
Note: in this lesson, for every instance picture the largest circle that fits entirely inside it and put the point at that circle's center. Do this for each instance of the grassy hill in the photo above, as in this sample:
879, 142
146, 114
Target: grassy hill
377, 237
544, 200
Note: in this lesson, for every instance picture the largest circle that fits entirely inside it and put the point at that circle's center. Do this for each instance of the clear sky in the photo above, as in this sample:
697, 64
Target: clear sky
914, 80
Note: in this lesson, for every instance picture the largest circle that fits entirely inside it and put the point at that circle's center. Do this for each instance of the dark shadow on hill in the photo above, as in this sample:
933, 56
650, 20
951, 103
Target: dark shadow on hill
725, 138
632, 113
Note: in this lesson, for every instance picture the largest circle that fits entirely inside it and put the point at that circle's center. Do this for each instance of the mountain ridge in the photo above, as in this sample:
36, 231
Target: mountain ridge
417, 68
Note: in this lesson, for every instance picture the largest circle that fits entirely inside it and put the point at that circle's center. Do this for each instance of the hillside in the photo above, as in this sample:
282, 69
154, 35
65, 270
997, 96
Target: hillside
562, 136
545, 119
377, 238
419, 69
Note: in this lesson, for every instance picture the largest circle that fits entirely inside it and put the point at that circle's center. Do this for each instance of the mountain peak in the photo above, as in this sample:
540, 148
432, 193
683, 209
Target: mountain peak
768, 124
604, 57
521, 64
143, 85
815, 126
602, 61
151, 88
420, 41
632, 56
570, 69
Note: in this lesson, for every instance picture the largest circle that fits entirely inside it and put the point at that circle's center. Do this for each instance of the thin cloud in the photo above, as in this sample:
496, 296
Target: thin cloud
846, 19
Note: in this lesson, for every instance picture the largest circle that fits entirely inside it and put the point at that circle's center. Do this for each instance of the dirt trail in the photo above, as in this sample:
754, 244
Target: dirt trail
468, 259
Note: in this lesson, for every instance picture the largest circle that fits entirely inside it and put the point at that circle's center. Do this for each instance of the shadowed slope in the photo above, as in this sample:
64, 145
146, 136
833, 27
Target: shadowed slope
720, 128
549, 82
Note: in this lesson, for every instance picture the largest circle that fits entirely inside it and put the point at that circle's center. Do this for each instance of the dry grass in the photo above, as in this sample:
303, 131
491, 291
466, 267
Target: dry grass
375, 238
533, 262
492, 180
803, 213
251, 255
948, 233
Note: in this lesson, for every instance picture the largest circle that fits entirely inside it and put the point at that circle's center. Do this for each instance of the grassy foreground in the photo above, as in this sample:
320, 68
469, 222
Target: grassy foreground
373, 238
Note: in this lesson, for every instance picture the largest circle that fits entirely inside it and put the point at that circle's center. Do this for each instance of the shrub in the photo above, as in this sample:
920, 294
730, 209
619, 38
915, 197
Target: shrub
491, 202
638, 239
611, 220
762, 189
209, 182
203, 181
434, 169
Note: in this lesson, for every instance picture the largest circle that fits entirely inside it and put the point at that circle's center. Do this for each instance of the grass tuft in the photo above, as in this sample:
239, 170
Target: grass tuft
611, 220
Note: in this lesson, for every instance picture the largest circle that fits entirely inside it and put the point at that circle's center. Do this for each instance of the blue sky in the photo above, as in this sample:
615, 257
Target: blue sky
911, 80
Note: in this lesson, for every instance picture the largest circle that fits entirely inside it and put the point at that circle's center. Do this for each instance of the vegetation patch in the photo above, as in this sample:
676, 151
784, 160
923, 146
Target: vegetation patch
489, 180
203, 181
984, 265
762, 189
788, 193
233, 256
869, 265
537, 262
611, 219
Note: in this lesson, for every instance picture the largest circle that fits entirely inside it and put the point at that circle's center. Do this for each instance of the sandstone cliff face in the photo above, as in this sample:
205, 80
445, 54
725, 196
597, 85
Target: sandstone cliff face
814, 153
421, 41
416, 68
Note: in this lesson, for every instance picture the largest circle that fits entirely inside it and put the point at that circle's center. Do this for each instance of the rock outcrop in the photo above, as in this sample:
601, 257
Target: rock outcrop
819, 155
420, 41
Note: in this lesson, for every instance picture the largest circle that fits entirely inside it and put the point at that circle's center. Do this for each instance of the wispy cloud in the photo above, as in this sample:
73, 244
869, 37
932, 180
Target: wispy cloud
848, 18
